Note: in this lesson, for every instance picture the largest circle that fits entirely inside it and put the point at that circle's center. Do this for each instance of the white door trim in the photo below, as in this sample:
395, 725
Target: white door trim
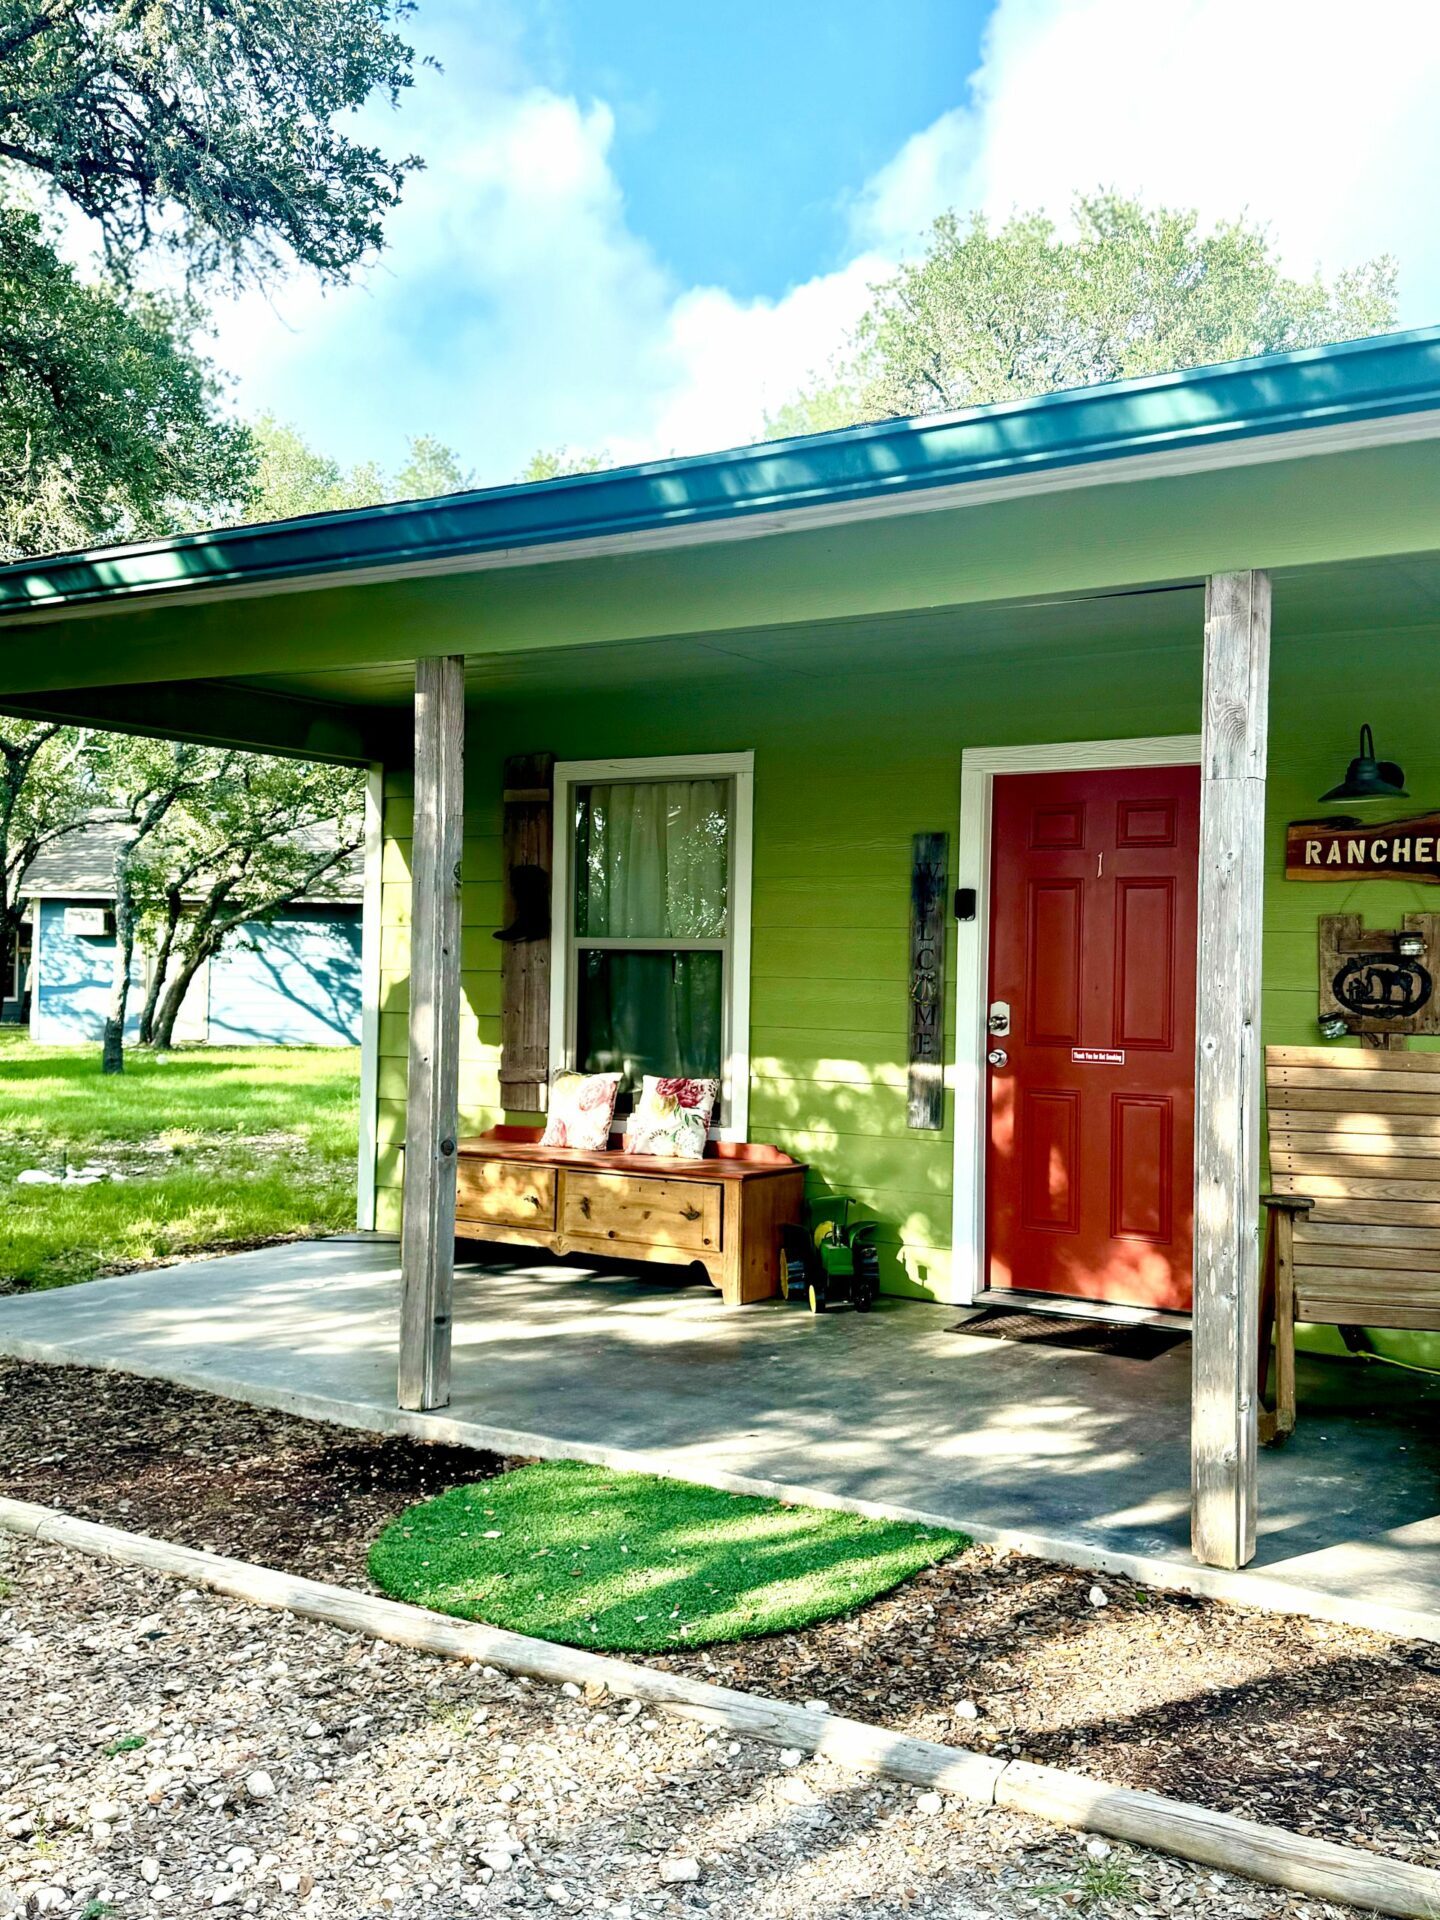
978, 768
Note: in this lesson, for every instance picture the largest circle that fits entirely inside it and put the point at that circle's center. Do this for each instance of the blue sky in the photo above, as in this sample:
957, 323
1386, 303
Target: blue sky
643, 224
740, 132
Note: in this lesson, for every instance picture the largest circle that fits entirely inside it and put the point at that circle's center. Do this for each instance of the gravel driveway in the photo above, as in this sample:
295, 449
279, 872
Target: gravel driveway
167, 1751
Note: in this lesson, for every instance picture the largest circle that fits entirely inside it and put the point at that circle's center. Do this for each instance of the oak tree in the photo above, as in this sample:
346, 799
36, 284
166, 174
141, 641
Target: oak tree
1003, 313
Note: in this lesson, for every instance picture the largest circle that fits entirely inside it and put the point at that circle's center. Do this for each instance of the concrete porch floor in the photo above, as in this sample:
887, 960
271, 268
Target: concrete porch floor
1076, 1455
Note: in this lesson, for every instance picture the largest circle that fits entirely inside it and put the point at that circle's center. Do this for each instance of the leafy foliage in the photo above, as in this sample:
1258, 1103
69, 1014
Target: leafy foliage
206, 840
252, 836
212, 128
430, 469
110, 425
1001, 314
212, 131
292, 478
554, 463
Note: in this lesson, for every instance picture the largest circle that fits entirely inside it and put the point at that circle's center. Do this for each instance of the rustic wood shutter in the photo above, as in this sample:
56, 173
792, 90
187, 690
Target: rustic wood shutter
525, 934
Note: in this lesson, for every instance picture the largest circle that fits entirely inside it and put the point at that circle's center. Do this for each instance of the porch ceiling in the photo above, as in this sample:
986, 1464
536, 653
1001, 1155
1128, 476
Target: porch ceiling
1349, 596
361, 711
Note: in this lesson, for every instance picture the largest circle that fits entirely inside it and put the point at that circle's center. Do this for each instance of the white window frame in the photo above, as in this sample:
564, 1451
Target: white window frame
739, 769
978, 768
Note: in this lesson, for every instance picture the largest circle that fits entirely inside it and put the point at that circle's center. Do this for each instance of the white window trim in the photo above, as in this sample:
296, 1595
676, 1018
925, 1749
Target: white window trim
738, 767
978, 768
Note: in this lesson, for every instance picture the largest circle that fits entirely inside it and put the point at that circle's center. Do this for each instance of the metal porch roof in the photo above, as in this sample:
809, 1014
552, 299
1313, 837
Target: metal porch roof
896, 462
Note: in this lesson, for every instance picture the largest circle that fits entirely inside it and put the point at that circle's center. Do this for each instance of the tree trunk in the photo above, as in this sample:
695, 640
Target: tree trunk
112, 1049
7, 947
175, 997
145, 1036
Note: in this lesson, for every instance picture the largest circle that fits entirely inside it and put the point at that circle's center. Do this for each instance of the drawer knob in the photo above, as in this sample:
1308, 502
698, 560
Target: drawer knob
690, 1213
585, 1205
532, 1199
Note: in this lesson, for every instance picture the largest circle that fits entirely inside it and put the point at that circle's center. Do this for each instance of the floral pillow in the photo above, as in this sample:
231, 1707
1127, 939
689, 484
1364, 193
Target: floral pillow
582, 1106
672, 1118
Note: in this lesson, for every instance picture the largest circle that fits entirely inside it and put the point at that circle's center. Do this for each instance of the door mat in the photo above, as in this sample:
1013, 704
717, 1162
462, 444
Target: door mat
1089, 1336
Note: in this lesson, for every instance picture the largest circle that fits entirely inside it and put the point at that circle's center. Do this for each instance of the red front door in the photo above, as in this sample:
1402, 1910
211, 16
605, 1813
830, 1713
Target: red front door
1092, 1109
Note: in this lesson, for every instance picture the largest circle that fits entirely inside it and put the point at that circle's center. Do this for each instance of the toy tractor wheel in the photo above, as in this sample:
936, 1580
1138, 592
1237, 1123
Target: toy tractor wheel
865, 1287
793, 1261
818, 1292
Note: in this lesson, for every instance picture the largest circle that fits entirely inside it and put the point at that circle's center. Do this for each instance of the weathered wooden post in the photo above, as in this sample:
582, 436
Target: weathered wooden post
432, 1100
1224, 1382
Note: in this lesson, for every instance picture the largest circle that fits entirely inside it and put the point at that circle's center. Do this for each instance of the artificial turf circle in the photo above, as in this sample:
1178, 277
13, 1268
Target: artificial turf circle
635, 1562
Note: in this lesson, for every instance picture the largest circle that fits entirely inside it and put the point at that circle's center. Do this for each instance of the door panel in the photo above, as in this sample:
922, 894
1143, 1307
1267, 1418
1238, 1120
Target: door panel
1049, 1146
1092, 944
1145, 963
1052, 991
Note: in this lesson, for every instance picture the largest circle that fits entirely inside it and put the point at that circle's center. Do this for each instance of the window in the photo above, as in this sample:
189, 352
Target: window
652, 955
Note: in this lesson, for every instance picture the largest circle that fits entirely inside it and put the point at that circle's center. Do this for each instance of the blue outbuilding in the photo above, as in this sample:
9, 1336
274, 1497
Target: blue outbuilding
294, 980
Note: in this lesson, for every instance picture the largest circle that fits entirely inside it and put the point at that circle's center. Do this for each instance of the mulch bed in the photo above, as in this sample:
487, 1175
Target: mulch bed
1328, 1730
205, 1472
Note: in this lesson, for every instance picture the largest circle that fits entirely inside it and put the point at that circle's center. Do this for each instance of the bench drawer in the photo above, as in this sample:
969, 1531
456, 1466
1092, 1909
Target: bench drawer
627, 1206
505, 1193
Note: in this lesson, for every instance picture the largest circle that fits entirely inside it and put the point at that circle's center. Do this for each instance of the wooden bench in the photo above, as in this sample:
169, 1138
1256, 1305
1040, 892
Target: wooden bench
1353, 1233
722, 1213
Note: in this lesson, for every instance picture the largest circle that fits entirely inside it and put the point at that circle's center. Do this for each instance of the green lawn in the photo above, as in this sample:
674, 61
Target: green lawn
637, 1563
217, 1147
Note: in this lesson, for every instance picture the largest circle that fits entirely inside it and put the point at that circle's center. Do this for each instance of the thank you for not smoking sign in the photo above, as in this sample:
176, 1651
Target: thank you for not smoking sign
1338, 849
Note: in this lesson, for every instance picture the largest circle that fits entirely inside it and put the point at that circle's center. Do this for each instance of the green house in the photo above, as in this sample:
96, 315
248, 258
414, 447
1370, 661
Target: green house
1033, 639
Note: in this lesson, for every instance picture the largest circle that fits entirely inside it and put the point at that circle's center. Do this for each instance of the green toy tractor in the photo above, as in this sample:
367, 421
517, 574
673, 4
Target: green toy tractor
831, 1261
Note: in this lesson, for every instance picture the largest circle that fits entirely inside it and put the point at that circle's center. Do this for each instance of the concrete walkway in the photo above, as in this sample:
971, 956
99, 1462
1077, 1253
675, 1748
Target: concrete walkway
1079, 1455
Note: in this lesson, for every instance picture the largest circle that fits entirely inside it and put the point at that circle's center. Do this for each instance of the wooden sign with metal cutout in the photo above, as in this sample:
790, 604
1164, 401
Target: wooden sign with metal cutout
1374, 981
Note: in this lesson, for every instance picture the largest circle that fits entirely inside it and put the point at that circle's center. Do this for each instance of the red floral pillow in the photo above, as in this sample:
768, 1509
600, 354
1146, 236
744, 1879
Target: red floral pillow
582, 1107
672, 1118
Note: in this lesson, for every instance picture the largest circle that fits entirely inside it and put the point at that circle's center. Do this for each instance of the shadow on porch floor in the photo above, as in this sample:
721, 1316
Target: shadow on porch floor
1085, 1449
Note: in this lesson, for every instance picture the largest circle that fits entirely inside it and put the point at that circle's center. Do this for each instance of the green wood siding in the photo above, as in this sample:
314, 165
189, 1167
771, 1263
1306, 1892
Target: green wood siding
847, 769
846, 772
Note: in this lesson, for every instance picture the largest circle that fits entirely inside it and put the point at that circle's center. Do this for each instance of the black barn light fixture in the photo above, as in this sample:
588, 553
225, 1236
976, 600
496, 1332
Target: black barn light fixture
1367, 778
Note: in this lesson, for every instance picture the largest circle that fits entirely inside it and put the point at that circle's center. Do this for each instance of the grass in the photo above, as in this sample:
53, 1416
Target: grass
1100, 1881
632, 1562
218, 1147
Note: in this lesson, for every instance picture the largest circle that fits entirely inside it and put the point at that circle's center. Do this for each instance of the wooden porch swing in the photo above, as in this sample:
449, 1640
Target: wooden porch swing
1353, 1234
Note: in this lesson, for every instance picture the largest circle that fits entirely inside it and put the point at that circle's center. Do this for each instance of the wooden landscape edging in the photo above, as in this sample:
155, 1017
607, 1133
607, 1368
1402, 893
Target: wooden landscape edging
1273, 1855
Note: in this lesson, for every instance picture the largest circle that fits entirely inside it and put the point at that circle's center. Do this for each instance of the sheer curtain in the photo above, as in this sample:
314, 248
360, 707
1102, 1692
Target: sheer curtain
652, 867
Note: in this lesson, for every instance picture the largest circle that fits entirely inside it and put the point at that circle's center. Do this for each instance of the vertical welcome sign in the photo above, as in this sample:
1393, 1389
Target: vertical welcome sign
929, 876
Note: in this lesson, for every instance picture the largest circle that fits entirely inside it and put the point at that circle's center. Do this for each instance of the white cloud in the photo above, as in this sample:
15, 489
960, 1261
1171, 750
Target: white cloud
1311, 120
515, 307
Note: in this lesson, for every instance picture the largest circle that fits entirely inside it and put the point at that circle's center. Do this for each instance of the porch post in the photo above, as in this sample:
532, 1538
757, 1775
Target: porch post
1227, 1069
427, 1232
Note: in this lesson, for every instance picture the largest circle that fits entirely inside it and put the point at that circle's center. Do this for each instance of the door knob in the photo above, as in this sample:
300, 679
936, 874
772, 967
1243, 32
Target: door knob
998, 1057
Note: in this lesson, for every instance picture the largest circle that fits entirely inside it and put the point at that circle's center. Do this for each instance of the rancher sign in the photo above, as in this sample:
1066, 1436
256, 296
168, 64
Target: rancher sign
1349, 850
